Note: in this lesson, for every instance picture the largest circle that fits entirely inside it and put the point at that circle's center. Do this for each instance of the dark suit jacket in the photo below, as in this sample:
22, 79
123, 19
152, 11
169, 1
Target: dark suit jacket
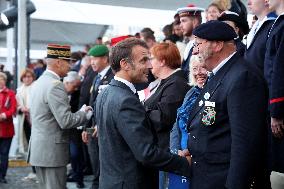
273, 72
126, 142
231, 152
163, 104
85, 87
274, 69
104, 81
256, 52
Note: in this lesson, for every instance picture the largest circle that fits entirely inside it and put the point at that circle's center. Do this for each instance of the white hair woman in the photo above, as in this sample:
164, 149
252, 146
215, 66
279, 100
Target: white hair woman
179, 135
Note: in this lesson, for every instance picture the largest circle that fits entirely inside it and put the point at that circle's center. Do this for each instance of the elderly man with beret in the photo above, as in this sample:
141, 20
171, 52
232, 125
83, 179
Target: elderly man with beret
51, 118
100, 63
227, 126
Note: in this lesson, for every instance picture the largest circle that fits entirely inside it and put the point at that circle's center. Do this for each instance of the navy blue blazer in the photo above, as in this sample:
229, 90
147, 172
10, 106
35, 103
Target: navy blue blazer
127, 144
94, 93
274, 74
274, 68
228, 132
256, 52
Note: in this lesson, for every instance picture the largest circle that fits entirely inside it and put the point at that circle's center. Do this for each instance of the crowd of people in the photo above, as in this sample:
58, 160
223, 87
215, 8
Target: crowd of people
202, 109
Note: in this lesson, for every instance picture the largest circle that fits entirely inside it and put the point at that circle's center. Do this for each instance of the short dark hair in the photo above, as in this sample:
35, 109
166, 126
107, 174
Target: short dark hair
123, 50
147, 33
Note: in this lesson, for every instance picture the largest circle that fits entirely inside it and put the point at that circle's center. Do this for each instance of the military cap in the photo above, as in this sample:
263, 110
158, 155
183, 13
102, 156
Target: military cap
234, 17
59, 51
190, 10
215, 30
98, 50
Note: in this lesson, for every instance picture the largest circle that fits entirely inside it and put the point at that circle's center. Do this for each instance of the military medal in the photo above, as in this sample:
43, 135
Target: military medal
206, 96
209, 113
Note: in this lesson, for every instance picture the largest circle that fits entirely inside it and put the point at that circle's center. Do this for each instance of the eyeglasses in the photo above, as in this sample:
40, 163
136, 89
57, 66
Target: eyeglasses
196, 44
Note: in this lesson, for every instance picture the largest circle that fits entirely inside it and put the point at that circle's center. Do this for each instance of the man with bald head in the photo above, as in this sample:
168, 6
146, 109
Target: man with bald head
227, 126
51, 118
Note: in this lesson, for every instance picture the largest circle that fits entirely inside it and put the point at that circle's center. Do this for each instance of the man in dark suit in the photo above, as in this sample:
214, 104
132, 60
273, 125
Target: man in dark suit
127, 144
100, 65
227, 127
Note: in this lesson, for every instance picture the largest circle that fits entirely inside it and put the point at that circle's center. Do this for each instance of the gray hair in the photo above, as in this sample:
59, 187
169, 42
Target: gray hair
71, 76
193, 58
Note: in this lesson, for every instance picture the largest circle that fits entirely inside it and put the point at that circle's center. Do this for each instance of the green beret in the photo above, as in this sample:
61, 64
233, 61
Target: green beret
98, 50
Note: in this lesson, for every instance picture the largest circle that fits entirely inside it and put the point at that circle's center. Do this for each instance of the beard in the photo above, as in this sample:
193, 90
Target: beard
206, 54
188, 33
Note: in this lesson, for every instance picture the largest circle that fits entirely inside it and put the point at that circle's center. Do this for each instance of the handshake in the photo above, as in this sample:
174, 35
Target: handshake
88, 110
185, 153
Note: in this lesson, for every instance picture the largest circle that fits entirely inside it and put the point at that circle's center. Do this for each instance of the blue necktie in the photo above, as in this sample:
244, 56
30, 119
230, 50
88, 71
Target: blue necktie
97, 82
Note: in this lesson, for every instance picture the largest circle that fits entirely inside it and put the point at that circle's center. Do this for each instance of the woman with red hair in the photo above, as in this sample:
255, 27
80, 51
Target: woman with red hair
162, 105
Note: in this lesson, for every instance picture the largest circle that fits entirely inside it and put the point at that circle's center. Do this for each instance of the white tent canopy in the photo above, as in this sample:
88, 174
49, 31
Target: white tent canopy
80, 22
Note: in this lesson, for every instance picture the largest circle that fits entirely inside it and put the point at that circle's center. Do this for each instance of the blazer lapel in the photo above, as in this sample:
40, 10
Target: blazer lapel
211, 87
106, 79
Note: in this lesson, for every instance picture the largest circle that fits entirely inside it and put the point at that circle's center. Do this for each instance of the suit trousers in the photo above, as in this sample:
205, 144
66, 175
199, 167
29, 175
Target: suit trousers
76, 156
93, 149
51, 177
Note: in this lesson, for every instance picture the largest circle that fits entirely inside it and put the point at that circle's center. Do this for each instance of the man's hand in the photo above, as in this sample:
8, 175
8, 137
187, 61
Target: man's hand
85, 108
85, 137
276, 127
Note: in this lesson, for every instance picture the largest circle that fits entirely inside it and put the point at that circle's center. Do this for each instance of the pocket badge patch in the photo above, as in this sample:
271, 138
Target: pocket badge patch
208, 116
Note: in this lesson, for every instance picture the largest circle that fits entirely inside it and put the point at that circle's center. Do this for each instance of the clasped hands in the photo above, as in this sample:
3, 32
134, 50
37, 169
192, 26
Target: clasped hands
185, 153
